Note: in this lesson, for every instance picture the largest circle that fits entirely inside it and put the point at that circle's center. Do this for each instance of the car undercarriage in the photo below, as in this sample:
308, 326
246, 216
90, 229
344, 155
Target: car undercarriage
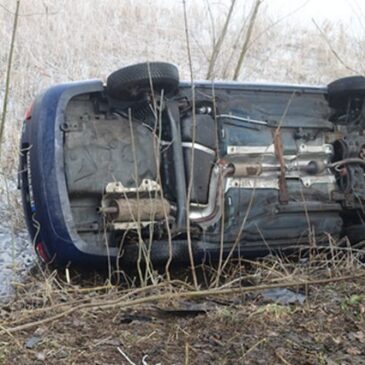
151, 162
268, 169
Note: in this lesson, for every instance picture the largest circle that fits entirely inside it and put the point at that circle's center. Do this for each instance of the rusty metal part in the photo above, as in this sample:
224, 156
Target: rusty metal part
246, 169
283, 188
134, 210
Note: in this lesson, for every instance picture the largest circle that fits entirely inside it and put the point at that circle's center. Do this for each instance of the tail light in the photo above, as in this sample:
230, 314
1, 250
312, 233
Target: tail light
41, 252
28, 112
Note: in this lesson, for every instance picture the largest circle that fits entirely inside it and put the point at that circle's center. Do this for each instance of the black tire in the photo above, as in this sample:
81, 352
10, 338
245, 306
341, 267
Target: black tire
132, 82
340, 90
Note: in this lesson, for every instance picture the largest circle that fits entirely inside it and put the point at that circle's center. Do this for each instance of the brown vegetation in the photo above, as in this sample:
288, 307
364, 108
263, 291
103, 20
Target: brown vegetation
56, 321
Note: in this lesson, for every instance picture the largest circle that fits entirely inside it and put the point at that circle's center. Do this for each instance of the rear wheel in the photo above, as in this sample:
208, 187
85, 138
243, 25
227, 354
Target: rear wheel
133, 82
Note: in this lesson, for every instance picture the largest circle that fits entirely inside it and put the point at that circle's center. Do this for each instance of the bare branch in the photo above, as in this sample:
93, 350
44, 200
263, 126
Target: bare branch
46, 12
190, 248
246, 42
8, 72
218, 45
334, 52
124, 303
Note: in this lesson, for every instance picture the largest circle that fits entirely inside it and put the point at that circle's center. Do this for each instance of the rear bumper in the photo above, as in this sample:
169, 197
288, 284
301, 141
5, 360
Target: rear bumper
42, 179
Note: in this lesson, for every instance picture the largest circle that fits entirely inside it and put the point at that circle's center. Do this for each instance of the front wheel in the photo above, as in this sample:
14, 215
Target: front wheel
341, 90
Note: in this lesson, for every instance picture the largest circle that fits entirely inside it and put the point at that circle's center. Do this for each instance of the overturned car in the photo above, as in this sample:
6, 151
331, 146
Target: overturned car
149, 163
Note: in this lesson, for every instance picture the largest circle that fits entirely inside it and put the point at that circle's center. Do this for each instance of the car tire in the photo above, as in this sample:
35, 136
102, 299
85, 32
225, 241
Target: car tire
131, 83
340, 90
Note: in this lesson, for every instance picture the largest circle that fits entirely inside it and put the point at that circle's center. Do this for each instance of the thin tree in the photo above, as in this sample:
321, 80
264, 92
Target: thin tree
8, 72
218, 44
246, 42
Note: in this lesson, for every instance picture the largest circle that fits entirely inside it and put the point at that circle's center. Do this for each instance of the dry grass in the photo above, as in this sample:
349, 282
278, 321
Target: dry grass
64, 314
55, 294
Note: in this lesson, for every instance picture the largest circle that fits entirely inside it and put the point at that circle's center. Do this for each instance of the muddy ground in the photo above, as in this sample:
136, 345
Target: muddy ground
239, 328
